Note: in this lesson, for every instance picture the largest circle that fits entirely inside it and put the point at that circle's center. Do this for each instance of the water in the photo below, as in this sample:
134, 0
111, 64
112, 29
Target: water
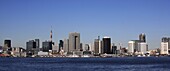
86, 64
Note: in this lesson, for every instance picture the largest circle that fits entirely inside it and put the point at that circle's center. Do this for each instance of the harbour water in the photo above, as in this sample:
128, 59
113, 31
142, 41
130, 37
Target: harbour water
86, 64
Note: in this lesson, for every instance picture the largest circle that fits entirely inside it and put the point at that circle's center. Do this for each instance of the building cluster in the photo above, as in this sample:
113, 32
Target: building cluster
138, 47
72, 47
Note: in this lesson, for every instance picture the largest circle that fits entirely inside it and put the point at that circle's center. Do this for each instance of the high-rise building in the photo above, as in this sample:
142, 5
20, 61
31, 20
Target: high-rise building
87, 47
142, 37
81, 46
131, 46
165, 45
7, 43
37, 43
164, 48
114, 49
74, 42
30, 47
143, 47
107, 45
66, 45
96, 46
61, 44
100, 46
46, 46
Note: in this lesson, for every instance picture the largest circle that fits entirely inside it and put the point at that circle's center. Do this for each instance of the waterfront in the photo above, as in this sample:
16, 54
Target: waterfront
86, 64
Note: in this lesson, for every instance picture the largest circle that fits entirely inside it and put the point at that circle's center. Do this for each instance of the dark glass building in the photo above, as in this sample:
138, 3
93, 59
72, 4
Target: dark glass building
107, 45
7, 43
61, 44
46, 46
30, 47
114, 49
37, 43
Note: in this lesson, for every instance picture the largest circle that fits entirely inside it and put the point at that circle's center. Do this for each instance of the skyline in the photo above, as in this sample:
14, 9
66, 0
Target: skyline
121, 20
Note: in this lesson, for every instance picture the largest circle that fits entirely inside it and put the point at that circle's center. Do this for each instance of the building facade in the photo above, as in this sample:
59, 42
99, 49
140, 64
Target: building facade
131, 46
74, 42
66, 45
46, 46
143, 47
96, 46
107, 45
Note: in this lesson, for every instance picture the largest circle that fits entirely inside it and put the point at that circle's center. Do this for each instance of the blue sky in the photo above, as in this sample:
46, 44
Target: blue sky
122, 20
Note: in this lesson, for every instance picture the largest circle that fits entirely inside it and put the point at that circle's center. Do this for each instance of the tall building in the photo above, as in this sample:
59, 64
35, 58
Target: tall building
7, 43
87, 47
31, 47
107, 45
61, 44
37, 43
81, 46
131, 46
74, 42
66, 45
142, 37
143, 47
165, 45
100, 46
46, 46
114, 49
96, 46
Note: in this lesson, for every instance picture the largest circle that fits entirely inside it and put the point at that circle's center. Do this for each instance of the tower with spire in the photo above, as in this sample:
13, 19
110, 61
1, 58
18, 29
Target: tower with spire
51, 34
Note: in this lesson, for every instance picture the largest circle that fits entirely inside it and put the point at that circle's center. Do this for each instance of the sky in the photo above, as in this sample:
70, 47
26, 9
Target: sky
122, 20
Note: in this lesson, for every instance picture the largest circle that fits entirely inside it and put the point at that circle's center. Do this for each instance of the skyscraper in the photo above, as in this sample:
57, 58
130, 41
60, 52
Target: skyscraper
7, 43
61, 44
31, 47
131, 46
143, 47
66, 45
165, 45
107, 45
46, 46
96, 46
74, 41
142, 37
37, 43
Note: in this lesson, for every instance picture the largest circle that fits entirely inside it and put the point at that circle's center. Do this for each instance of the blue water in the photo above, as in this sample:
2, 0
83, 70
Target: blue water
86, 64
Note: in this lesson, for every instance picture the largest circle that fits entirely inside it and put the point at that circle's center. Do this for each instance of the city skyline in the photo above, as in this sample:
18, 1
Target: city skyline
122, 21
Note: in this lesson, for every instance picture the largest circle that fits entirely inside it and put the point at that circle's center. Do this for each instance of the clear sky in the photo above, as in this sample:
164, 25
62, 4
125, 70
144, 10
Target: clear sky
122, 20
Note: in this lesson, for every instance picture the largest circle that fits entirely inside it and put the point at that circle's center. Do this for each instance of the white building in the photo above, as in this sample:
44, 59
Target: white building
142, 47
131, 46
164, 47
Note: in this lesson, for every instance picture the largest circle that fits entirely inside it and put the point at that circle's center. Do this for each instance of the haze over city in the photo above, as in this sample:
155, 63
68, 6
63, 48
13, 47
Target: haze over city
121, 20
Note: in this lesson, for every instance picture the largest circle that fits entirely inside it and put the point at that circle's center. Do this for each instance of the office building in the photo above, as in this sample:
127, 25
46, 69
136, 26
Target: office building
100, 46
37, 43
74, 42
30, 47
106, 45
7, 43
165, 45
142, 37
143, 47
61, 44
66, 45
47, 46
81, 46
87, 47
131, 46
96, 46
114, 49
